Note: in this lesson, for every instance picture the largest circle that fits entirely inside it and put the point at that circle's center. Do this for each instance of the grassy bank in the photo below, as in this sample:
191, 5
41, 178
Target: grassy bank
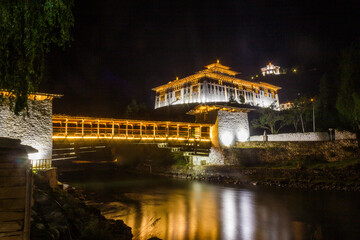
304, 173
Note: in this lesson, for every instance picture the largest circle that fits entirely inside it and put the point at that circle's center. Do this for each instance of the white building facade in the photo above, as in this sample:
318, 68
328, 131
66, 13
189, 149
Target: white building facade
216, 84
270, 69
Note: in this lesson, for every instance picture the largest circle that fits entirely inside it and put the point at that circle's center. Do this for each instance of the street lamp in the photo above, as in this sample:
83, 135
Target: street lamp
312, 100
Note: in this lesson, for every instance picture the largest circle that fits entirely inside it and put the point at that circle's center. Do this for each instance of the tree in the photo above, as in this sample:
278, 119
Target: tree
28, 29
135, 110
231, 99
301, 107
292, 117
348, 97
325, 104
270, 119
241, 99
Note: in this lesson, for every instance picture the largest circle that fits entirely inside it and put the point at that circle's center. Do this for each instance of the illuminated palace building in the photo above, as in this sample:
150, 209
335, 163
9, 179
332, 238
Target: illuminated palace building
216, 84
270, 69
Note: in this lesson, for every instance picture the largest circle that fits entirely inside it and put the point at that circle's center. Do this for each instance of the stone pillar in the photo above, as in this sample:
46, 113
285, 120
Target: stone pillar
231, 127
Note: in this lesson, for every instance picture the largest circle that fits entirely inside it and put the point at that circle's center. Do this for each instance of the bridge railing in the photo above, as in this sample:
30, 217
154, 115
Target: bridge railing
41, 164
81, 127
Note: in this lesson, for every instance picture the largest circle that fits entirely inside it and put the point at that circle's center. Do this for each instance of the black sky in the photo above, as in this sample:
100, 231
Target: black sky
122, 49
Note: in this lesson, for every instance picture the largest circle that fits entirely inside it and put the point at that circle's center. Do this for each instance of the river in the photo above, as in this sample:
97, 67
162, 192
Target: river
180, 209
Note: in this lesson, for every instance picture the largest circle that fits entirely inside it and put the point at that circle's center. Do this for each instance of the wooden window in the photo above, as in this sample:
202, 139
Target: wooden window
177, 94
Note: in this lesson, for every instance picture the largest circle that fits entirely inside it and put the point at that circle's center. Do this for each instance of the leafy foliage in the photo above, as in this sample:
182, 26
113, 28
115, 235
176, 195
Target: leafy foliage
301, 111
292, 117
326, 113
348, 97
270, 119
241, 99
232, 99
28, 29
136, 110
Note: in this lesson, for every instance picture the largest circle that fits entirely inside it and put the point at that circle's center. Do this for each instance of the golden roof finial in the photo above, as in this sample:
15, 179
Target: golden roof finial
217, 61
177, 78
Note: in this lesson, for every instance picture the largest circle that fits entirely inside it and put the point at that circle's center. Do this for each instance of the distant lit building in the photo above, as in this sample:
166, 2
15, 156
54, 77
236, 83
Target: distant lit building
286, 106
217, 83
270, 69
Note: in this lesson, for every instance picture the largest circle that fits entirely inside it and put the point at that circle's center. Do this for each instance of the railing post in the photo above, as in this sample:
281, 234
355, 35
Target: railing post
112, 129
154, 130
82, 127
126, 131
66, 127
141, 129
177, 131
98, 128
167, 130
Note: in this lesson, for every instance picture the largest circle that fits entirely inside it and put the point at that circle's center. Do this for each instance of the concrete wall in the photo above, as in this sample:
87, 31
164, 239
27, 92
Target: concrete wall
232, 127
284, 137
34, 130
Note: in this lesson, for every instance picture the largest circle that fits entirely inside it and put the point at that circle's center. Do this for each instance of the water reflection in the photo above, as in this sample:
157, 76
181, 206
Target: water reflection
171, 209
201, 212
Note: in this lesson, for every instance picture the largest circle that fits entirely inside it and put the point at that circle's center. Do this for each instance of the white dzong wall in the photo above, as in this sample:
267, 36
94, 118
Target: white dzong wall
212, 92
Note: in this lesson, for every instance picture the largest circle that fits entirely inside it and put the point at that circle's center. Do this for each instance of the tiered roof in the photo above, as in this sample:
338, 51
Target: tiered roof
217, 71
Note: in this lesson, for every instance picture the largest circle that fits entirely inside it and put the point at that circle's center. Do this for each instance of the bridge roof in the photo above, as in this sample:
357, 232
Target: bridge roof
32, 96
59, 117
217, 71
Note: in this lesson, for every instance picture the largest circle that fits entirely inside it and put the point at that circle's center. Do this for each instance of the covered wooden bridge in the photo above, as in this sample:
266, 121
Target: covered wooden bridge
70, 127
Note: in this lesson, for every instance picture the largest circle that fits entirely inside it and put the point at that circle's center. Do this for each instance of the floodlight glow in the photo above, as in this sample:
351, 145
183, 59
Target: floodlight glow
242, 135
227, 138
35, 156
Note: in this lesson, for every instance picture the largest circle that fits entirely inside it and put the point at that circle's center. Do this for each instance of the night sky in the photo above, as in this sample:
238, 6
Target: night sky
122, 49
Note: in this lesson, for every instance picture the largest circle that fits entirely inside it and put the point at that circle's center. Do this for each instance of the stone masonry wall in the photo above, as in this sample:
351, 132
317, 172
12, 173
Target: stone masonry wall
341, 135
216, 157
34, 130
252, 153
232, 127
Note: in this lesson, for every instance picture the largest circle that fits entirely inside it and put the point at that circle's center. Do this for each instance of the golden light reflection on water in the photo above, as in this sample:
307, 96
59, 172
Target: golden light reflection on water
203, 212
176, 209
175, 216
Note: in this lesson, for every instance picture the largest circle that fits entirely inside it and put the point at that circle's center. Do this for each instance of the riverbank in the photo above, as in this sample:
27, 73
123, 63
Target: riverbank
60, 214
343, 176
